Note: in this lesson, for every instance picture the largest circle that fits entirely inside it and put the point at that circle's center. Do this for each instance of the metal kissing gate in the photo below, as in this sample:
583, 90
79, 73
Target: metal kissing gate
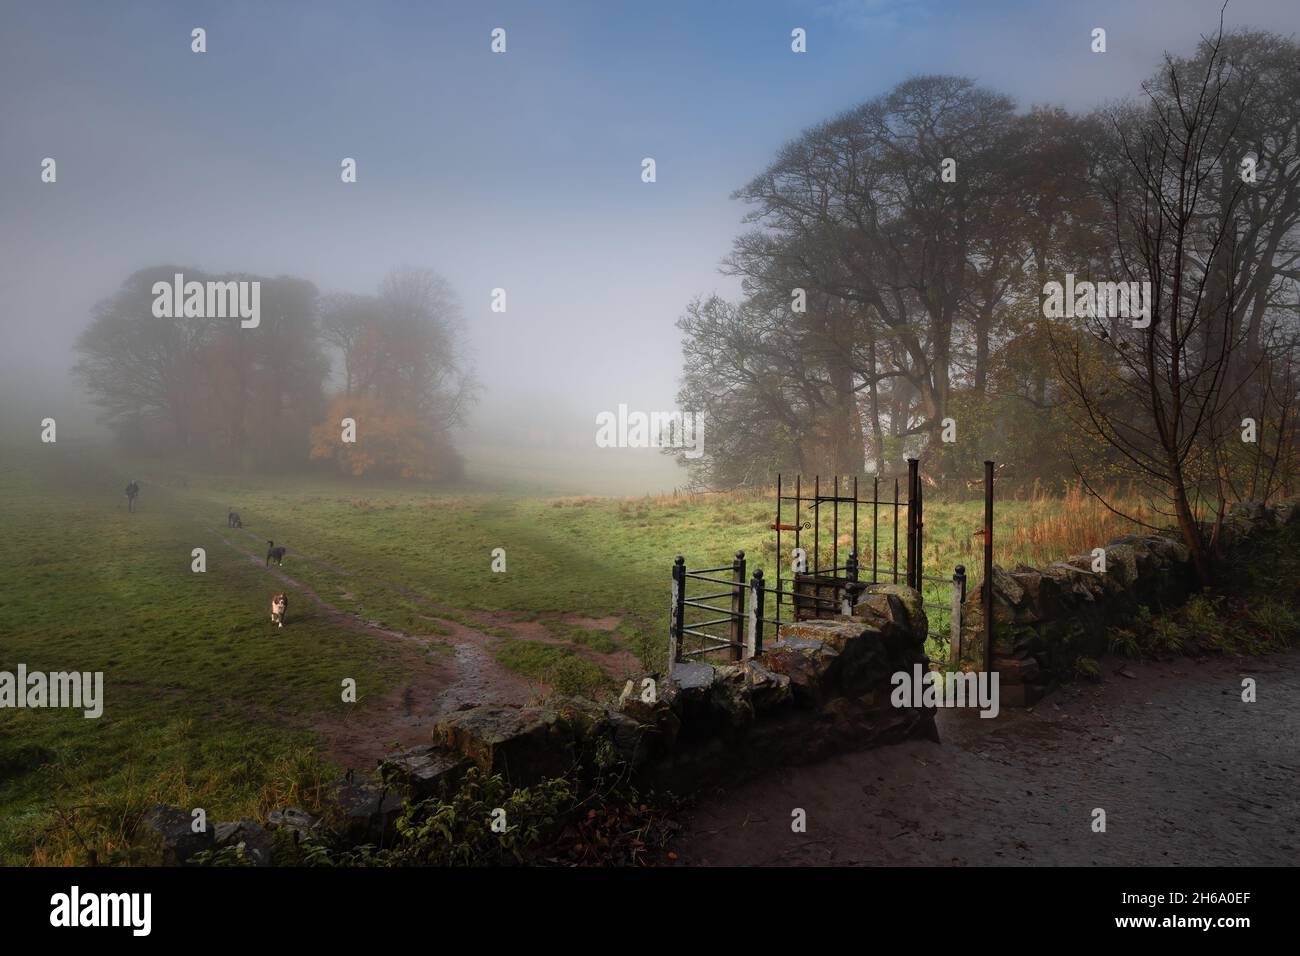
815, 589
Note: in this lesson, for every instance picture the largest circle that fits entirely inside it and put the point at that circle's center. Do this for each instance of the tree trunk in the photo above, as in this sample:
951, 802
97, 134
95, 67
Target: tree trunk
983, 322
1191, 532
873, 391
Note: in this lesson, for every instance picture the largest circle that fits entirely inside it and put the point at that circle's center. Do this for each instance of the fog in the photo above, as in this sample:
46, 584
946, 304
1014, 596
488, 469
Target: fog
519, 171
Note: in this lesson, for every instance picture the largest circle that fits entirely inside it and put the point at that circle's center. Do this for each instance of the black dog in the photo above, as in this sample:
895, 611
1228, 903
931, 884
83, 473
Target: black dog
233, 520
274, 552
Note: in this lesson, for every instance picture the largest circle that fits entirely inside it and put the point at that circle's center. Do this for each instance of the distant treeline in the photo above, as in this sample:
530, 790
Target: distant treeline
207, 387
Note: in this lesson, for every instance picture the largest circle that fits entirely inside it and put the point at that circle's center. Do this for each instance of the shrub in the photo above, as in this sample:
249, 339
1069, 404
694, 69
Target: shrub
1276, 621
458, 831
586, 817
1203, 619
1087, 668
1167, 635
1124, 643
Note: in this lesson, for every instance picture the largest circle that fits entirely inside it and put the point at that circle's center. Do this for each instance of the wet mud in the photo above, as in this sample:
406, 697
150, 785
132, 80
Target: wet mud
1185, 771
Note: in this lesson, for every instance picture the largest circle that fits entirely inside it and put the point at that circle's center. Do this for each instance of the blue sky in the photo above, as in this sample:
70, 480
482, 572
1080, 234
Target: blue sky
520, 171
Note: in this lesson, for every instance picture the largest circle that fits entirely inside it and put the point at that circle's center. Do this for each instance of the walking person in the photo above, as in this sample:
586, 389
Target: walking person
132, 490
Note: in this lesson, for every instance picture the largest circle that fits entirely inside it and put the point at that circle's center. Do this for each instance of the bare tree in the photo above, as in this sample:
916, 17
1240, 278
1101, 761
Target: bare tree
1157, 397
345, 319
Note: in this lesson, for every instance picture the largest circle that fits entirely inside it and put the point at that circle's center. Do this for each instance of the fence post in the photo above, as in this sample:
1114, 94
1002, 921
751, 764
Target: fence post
855, 515
850, 575
738, 607
817, 525
778, 545
895, 551
756, 602
920, 531
988, 567
835, 528
678, 614
875, 524
958, 598
911, 523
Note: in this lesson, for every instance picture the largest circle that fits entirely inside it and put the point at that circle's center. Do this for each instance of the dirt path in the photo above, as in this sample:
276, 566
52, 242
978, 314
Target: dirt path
436, 683
615, 663
1186, 772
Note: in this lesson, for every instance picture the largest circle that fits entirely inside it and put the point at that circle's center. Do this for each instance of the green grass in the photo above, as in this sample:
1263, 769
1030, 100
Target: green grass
206, 706
202, 701
1276, 621
1253, 608
555, 665
587, 555
598, 640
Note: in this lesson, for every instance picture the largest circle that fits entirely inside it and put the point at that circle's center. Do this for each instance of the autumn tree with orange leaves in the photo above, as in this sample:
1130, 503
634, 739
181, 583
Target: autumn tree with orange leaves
406, 386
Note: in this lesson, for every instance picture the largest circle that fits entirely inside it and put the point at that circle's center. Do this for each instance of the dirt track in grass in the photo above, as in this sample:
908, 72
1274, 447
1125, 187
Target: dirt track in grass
446, 671
1187, 773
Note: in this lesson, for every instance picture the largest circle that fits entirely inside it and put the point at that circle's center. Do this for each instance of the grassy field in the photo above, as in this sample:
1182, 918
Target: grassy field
208, 706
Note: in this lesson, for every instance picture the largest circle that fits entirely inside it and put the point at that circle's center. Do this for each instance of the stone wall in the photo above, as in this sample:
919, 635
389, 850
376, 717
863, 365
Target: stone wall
1045, 619
820, 687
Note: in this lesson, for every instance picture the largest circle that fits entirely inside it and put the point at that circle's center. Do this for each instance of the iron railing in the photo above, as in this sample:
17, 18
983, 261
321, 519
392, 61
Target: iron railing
738, 625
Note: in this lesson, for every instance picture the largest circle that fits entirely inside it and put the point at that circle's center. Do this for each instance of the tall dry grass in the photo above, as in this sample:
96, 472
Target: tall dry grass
1039, 528
1034, 525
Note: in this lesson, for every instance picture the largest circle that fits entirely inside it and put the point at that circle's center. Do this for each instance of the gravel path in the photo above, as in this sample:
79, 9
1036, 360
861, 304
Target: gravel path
1186, 772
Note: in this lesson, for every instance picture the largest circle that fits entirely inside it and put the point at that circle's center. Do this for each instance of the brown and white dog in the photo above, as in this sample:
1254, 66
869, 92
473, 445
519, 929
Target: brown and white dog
278, 604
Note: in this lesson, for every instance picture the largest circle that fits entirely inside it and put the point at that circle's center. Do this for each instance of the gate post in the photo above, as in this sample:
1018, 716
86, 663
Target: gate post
988, 567
875, 524
895, 551
778, 546
851, 577
958, 598
677, 619
817, 525
738, 607
911, 523
757, 593
920, 531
